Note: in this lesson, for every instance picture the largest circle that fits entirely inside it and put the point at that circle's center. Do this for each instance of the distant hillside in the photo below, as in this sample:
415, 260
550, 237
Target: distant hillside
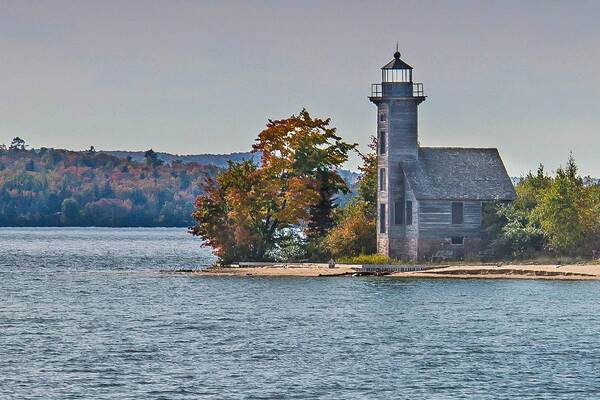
220, 160
49, 187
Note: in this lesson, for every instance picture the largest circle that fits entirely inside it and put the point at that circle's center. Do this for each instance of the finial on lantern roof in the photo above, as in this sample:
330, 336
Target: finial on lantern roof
397, 53
396, 63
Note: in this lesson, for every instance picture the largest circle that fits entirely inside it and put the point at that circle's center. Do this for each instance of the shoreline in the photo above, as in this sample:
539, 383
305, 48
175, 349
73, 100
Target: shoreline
545, 272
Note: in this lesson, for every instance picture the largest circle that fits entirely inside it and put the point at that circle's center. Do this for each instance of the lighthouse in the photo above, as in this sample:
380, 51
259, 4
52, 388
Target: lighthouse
429, 199
397, 99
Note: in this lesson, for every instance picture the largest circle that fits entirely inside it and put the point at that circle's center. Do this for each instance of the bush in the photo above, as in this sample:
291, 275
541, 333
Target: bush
354, 232
69, 212
376, 259
514, 234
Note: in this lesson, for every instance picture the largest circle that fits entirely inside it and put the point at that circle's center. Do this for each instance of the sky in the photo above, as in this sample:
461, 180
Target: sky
191, 77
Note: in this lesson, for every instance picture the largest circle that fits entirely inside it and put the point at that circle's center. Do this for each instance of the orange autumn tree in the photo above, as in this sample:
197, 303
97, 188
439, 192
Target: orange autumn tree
236, 215
245, 212
304, 153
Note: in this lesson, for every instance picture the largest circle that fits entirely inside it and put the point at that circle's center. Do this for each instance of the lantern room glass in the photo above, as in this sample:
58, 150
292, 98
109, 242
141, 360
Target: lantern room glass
396, 75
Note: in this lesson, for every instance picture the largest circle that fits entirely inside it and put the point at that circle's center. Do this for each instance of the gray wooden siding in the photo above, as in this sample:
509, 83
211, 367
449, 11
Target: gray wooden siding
402, 135
403, 231
382, 162
400, 125
412, 231
435, 219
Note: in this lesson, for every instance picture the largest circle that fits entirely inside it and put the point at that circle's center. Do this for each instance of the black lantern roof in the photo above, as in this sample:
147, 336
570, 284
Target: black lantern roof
396, 63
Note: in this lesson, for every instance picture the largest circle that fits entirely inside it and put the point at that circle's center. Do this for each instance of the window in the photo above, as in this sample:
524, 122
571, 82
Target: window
457, 213
396, 75
458, 240
409, 213
382, 143
382, 179
382, 218
382, 117
482, 212
399, 212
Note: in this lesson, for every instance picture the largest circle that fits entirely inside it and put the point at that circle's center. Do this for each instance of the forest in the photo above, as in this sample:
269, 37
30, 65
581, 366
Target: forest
50, 187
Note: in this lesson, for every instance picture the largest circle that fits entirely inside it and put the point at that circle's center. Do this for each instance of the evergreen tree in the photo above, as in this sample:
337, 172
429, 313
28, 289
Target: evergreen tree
566, 210
69, 212
17, 144
152, 158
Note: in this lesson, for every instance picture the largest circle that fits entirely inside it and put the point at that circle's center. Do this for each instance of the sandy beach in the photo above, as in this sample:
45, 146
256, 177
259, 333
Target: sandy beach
306, 269
562, 272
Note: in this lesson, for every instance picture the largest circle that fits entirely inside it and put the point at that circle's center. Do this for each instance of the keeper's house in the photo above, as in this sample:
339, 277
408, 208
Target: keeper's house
429, 200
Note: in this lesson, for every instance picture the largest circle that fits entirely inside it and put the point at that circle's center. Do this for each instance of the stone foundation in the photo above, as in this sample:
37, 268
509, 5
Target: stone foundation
382, 245
473, 246
427, 248
403, 248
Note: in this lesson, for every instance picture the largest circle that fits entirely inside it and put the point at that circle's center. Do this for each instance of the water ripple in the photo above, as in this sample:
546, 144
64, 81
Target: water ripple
84, 314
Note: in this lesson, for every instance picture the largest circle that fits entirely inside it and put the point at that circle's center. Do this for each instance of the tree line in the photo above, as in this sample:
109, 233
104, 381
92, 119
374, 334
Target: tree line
51, 187
554, 215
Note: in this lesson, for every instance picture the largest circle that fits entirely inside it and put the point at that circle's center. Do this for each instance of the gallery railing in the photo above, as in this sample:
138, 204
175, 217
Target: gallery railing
377, 90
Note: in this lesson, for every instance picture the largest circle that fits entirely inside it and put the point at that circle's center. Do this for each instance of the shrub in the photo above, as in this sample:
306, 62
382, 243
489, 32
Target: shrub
376, 259
354, 232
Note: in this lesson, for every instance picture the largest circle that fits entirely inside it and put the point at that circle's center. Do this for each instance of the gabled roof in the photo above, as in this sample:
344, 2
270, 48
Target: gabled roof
456, 173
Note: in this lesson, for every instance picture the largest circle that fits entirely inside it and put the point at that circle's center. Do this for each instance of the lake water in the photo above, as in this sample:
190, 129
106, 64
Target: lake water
84, 313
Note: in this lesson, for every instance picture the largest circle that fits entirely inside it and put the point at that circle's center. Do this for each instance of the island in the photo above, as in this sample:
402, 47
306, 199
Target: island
486, 271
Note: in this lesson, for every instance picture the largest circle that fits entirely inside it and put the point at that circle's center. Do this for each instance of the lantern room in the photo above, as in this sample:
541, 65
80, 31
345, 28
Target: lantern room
397, 81
396, 71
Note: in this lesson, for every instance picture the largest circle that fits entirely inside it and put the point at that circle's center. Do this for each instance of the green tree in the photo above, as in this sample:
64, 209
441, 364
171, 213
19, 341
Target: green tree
566, 211
531, 188
152, 158
17, 144
70, 214
513, 232
107, 212
367, 182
